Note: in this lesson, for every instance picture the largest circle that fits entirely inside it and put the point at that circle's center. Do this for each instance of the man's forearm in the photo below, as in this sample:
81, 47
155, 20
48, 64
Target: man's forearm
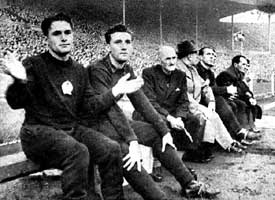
145, 108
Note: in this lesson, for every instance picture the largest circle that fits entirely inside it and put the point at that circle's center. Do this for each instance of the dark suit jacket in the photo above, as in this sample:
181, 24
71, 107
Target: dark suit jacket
233, 76
167, 99
168, 95
103, 76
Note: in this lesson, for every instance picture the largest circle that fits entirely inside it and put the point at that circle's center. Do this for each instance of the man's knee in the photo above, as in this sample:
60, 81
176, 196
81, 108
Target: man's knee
81, 155
114, 149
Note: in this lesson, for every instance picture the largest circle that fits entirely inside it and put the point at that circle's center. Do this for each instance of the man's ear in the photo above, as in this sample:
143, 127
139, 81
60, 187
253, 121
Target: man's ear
189, 56
108, 48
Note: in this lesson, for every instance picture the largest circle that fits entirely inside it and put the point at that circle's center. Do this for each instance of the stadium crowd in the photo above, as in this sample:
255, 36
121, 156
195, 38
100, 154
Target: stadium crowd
20, 33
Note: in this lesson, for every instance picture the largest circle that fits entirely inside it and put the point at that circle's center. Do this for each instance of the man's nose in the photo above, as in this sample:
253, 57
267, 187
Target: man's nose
123, 45
173, 62
63, 37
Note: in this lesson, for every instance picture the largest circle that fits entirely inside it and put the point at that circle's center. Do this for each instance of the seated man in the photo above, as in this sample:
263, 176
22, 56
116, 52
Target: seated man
113, 73
204, 67
53, 89
198, 91
243, 102
165, 87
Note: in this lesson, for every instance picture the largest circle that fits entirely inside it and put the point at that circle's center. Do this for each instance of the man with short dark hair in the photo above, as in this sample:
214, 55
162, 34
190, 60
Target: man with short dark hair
53, 90
207, 62
114, 73
242, 101
202, 100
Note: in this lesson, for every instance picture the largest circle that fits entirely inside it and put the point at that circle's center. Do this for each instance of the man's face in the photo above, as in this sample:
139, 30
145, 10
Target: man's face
60, 38
242, 65
121, 47
193, 58
209, 57
168, 58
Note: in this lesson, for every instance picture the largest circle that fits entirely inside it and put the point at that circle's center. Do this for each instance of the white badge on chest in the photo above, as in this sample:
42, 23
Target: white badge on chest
67, 87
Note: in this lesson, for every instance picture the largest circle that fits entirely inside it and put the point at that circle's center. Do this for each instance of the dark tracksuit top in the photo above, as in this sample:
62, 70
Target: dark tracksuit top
114, 124
52, 135
42, 96
103, 76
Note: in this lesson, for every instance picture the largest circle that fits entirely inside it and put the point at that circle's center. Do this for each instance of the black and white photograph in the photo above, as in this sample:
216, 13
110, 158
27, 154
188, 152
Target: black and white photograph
137, 99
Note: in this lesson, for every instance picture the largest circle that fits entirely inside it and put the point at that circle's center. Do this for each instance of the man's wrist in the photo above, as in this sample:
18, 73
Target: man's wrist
168, 133
115, 91
169, 117
133, 142
18, 80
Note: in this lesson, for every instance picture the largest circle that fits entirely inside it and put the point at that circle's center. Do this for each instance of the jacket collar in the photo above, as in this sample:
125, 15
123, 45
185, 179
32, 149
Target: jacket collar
236, 72
113, 66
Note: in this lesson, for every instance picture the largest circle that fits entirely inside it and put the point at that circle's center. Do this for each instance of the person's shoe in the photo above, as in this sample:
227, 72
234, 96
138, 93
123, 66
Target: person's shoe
247, 135
253, 136
195, 158
255, 130
197, 189
239, 145
157, 174
156, 177
193, 172
246, 142
208, 154
234, 149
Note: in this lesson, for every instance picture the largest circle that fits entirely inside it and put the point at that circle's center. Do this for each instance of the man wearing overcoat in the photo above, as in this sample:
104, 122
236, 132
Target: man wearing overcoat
243, 102
223, 108
165, 87
114, 73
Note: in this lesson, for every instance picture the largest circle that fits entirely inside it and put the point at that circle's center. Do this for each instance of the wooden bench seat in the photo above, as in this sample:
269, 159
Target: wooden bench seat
14, 163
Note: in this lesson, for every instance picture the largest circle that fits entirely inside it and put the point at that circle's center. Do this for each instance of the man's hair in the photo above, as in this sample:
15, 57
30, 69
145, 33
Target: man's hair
114, 29
236, 59
47, 22
201, 51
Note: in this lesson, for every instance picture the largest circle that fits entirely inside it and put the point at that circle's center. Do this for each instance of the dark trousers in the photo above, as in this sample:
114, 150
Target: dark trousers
242, 111
196, 129
74, 152
228, 114
141, 181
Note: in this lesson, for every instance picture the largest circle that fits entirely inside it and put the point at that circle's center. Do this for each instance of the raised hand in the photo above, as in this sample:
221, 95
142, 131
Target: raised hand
125, 86
11, 66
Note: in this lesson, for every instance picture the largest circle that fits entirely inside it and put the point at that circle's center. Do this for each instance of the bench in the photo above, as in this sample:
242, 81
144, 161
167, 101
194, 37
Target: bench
14, 164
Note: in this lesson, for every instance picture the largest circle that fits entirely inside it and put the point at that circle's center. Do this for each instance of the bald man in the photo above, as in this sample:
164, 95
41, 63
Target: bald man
114, 73
165, 87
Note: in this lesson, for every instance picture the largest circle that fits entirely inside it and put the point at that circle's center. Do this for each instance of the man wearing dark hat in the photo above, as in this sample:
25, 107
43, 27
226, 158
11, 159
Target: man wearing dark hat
114, 73
165, 87
207, 62
198, 90
243, 102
